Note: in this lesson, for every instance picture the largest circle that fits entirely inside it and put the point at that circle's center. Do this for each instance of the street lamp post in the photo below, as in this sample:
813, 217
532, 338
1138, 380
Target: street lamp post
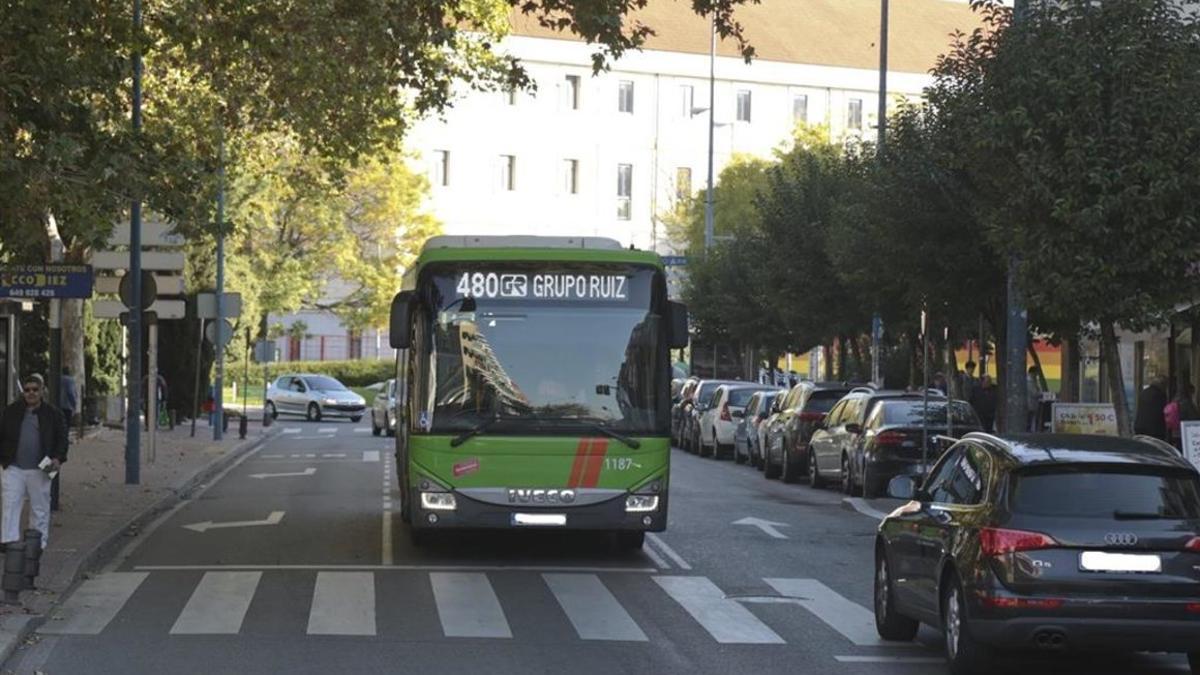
876, 321
712, 96
1018, 326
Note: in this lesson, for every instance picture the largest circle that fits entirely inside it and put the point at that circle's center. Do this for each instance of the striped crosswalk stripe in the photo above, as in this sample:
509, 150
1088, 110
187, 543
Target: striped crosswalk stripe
592, 609
94, 604
726, 620
855, 622
467, 605
343, 604
218, 605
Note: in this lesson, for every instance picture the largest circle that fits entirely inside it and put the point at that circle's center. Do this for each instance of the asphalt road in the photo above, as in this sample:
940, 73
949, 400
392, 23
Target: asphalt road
296, 561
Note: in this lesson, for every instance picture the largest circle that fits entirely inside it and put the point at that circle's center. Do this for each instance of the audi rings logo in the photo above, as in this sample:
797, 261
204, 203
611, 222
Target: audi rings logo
1120, 539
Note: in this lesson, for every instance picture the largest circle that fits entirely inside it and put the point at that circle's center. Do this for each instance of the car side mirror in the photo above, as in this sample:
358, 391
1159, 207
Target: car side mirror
400, 321
677, 325
902, 487
854, 428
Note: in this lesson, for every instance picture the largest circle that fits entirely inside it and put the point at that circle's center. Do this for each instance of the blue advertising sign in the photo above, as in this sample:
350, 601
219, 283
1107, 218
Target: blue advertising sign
674, 260
46, 281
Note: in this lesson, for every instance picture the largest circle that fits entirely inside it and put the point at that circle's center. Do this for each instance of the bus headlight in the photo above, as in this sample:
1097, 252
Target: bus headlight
641, 503
438, 501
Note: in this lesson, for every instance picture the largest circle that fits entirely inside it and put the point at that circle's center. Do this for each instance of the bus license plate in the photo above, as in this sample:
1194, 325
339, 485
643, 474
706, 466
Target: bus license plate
540, 519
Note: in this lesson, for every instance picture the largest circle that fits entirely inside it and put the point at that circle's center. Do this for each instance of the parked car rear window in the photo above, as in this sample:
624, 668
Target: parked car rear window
1106, 493
740, 397
913, 413
706, 393
823, 401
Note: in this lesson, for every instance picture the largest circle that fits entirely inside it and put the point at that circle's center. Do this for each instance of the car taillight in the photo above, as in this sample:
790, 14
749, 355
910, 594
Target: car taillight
811, 416
1193, 607
1020, 603
1193, 545
996, 541
725, 416
890, 438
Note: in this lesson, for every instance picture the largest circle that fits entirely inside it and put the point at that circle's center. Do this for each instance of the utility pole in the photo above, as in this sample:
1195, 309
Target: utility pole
712, 100
1015, 419
876, 320
133, 426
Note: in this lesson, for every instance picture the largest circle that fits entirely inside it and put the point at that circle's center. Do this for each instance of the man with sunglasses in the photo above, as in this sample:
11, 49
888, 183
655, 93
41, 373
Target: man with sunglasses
31, 430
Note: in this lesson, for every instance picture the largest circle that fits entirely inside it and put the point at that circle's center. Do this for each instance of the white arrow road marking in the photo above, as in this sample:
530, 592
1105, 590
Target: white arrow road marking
767, 526
273, 519
307, 472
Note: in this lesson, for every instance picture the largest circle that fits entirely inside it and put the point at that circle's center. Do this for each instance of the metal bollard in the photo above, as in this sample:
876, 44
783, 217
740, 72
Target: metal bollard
33, 557
242, 424
14, 573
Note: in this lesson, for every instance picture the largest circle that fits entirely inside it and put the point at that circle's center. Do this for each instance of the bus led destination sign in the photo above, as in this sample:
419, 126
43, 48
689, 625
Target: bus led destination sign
611, 287
46, 281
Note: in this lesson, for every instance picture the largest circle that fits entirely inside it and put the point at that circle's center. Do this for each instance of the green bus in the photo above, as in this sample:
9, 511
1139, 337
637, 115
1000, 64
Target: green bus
533, 378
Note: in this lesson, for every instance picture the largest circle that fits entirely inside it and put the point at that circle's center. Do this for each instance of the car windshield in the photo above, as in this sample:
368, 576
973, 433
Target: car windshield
914, 413
322, 383
1105, 493
537, 360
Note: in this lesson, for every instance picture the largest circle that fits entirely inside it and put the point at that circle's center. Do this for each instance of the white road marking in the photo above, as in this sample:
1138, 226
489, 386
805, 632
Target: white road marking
724, 619
655, 557
855, 622
343, 604
862, 507
307, 472
273, 519
218, 605
662, 545
370, 455
333, 454
291, 430
914, 660
310, 455
592, 609
401, 568
467, 606
94, 604
767, 526
362, 431
272, 456
386, 555
327, 430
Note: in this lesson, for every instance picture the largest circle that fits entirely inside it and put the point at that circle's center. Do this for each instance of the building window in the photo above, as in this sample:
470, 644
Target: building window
683, 183
687, 95
625, 97
624, 191
571, 92
441, 167
854, 114
800, 108
508, 172
570, 169
743, 105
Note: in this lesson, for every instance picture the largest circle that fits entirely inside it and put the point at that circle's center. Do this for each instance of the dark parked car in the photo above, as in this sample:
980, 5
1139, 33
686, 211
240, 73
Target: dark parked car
836, 446
892, 435
785, 454
680, 404
1045, 542
746, 443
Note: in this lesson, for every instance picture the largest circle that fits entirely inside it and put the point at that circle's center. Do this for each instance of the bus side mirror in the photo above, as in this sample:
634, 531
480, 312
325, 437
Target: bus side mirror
400, 321
677, 330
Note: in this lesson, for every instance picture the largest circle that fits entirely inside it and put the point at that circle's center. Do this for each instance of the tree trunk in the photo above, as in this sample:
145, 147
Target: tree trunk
1068, 388
1000, 336
1116, 381
829, 363
841, 357
72, 344
856, 345
1037, 362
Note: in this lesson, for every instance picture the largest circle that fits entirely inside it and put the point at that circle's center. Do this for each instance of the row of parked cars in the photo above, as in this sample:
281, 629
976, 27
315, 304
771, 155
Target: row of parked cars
1020, 543
851, 435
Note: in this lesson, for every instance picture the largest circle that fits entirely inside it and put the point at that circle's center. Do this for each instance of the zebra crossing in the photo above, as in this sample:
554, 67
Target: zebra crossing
465, 604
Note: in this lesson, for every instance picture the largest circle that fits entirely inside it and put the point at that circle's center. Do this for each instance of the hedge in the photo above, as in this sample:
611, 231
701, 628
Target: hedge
352, 373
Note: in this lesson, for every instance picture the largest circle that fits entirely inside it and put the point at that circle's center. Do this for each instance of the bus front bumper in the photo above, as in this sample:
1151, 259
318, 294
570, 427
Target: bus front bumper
470, 513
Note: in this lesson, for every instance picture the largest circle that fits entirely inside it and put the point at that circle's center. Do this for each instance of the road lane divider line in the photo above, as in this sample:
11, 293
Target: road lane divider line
291, 430
591, 569
362, 431
290, 474
218, 605
592, 609
467, 606
94, 604
343, 604
333, 454
370, 456
386, 552
853, 621
911, 660
858, 504
327, 430
725, 620
654, 556
662, 546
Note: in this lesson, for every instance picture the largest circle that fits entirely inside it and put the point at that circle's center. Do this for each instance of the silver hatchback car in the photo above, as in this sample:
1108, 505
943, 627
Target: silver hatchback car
382, 419
313, 396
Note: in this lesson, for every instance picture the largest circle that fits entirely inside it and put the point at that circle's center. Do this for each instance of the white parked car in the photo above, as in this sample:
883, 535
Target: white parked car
718, 424
383, 408
313, 396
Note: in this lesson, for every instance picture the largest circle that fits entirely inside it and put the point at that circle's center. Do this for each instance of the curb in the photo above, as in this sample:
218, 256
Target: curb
11, 636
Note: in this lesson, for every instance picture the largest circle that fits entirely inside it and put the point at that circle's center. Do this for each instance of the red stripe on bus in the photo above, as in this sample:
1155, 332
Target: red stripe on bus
595, 461
581, 452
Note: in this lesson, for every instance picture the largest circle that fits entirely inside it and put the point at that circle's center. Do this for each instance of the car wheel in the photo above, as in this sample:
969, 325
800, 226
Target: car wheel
868, 483
388, 428
1194, 662
271, 411
814, 473
889, 624
630, 541
375, 430
791, 468
314, 413
771, 470
964, 655
738, 457
847, 479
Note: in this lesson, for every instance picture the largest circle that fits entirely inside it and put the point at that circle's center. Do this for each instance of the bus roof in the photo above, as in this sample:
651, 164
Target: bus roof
531, 248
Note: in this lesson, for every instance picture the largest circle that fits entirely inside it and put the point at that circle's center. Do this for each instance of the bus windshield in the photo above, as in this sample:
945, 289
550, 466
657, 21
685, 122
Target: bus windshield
548, 362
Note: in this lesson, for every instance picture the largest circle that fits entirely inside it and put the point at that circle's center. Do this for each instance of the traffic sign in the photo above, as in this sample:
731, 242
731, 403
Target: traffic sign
149, 291
151, 260
210, 332
113, 309
674, 260
46, 281
264, 351
206, 305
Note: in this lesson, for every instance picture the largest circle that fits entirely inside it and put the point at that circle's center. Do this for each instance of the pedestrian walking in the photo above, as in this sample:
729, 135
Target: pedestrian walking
32, 431
1150, 404
68, 396
939, 383
966, 381
1182, 409
983, 399
1033, 398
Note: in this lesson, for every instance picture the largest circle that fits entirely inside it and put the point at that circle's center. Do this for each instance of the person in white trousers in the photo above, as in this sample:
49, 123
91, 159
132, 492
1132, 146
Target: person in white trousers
31, 431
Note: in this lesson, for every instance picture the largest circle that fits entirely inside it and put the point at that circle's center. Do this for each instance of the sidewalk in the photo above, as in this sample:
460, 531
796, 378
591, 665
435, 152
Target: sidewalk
99, 513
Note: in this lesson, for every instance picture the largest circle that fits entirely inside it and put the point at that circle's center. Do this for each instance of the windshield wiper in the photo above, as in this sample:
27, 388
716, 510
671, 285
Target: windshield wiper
596, 426
474, 431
